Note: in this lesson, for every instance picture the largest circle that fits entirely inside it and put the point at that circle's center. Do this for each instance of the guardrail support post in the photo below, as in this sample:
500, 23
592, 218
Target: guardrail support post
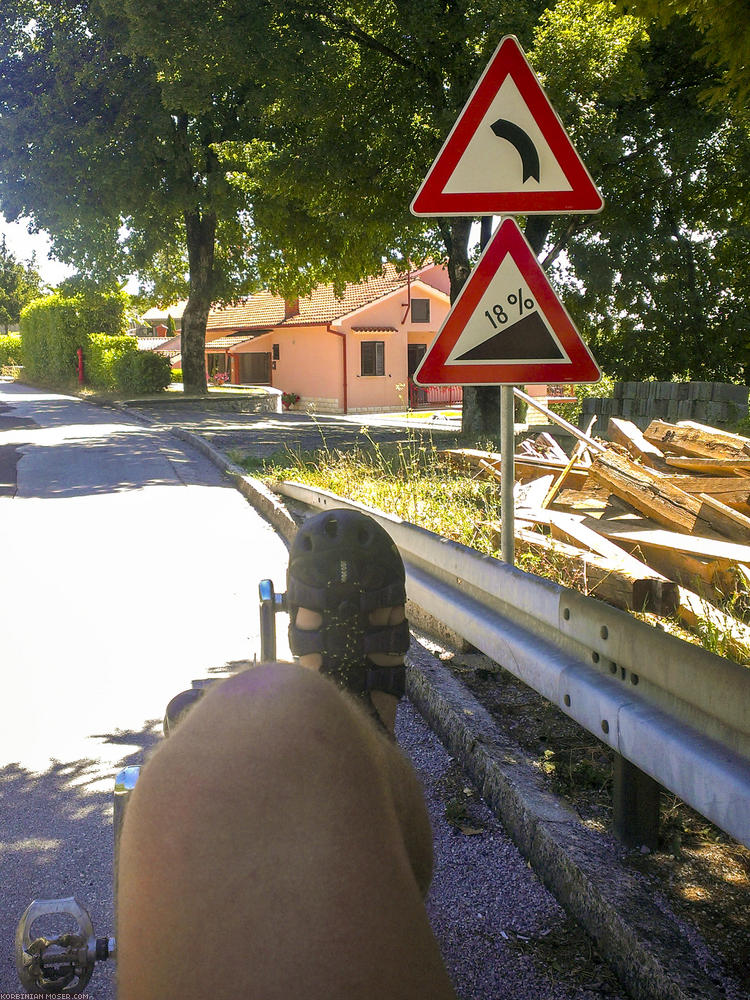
635, 798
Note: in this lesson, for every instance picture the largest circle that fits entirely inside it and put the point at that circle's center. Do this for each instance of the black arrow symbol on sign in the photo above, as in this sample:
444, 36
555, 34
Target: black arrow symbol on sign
526, 149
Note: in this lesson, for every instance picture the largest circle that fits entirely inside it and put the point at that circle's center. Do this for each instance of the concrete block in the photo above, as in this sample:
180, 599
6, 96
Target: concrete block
700, 411
726, 393
717, 413
700, 390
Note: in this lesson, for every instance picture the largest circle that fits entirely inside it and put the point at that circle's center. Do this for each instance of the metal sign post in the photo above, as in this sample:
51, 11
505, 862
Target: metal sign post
507, 473
507, 445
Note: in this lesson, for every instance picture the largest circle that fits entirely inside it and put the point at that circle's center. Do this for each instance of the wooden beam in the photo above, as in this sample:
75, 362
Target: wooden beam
722, 488
730, 635
669, 505
710, 466
694, 439
733, 440
642, 532
553, 447
712, 577
626, 433
490, 469
633, 587
578, 452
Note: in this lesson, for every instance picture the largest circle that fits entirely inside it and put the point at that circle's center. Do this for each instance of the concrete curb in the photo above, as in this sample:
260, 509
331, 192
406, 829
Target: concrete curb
635, 931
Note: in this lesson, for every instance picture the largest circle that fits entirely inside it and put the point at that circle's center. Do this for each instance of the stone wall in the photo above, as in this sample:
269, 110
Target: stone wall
714, 403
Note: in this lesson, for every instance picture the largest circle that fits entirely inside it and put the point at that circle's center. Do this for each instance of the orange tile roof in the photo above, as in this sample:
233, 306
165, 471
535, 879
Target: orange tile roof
374, 329
266, 310
227, 342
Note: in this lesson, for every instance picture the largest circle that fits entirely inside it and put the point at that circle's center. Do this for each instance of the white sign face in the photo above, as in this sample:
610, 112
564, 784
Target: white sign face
507, 325
508, 151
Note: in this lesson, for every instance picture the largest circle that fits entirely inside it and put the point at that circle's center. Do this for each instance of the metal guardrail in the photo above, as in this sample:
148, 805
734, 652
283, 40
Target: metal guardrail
678, 713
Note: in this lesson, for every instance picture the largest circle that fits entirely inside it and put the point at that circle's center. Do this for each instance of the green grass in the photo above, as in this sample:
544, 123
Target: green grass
411, 480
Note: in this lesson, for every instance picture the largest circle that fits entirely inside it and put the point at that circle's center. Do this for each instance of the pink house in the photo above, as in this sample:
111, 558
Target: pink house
349, 354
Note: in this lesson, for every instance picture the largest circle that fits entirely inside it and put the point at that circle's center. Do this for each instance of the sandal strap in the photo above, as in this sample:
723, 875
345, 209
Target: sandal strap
394, 639
356, 642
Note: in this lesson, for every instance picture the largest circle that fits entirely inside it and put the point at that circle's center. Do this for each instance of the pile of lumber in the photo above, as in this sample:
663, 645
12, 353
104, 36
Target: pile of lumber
655, 521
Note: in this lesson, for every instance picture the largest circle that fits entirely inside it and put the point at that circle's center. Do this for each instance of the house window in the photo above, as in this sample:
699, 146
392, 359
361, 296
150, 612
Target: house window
373, 357
420, 310
275, 348
415, 354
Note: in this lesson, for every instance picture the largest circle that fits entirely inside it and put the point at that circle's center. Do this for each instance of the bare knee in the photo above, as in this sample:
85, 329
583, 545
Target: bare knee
278, 745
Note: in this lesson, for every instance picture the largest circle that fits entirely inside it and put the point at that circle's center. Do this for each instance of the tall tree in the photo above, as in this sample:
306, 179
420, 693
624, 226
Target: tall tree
20, 283
658, 282
117, 161
344, 158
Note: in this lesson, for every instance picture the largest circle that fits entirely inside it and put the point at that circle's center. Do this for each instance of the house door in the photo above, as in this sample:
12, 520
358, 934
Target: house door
414, 356
255, 369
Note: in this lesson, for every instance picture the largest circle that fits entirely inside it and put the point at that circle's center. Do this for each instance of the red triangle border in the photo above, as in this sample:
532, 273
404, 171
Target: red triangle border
431, 199
581, 366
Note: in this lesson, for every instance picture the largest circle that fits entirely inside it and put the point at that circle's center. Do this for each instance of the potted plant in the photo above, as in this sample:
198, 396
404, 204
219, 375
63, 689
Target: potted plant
288, 399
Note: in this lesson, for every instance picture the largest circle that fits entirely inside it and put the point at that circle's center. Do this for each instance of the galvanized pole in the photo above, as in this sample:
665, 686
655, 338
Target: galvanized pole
507, 473
507, 445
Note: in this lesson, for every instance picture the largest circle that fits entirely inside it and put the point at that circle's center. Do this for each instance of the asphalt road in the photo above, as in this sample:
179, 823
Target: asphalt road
129, 567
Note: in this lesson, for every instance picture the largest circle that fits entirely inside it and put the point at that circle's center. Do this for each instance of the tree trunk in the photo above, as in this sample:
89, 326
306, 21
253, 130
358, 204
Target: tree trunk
201, 238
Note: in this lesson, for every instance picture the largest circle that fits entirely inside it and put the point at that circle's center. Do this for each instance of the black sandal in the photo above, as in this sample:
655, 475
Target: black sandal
343, 565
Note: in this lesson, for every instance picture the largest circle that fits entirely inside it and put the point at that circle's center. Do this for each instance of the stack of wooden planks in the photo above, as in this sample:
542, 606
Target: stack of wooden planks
655, 521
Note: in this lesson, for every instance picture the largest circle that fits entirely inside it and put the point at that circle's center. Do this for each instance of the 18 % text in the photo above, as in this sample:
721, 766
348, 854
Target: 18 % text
498, 316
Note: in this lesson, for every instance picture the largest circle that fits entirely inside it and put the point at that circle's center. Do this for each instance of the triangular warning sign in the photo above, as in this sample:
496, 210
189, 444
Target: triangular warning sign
508, 152
507, 325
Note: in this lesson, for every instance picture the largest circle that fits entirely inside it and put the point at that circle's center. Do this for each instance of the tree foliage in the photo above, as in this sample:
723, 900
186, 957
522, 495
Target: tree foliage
282, 142
723, 39
657, 281
97, 146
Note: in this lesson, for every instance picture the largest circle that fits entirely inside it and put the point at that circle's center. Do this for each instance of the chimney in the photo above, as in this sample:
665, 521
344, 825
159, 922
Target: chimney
291, 307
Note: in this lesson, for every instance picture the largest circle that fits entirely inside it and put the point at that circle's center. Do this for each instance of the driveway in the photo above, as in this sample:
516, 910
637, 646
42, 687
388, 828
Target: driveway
263, 434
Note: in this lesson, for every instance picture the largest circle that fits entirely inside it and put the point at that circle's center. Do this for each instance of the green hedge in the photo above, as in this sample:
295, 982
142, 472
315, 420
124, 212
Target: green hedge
11, 350
53, 328
142, 371
99, 355
177, 374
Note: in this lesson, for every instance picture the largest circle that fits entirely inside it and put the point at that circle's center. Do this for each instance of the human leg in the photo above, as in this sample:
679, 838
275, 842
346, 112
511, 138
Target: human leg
276, 845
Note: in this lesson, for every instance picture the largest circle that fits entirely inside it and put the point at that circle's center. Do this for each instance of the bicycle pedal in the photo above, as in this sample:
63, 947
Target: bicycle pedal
61, 964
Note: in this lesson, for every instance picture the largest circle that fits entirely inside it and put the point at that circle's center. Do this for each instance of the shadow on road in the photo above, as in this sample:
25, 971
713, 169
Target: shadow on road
56, 838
